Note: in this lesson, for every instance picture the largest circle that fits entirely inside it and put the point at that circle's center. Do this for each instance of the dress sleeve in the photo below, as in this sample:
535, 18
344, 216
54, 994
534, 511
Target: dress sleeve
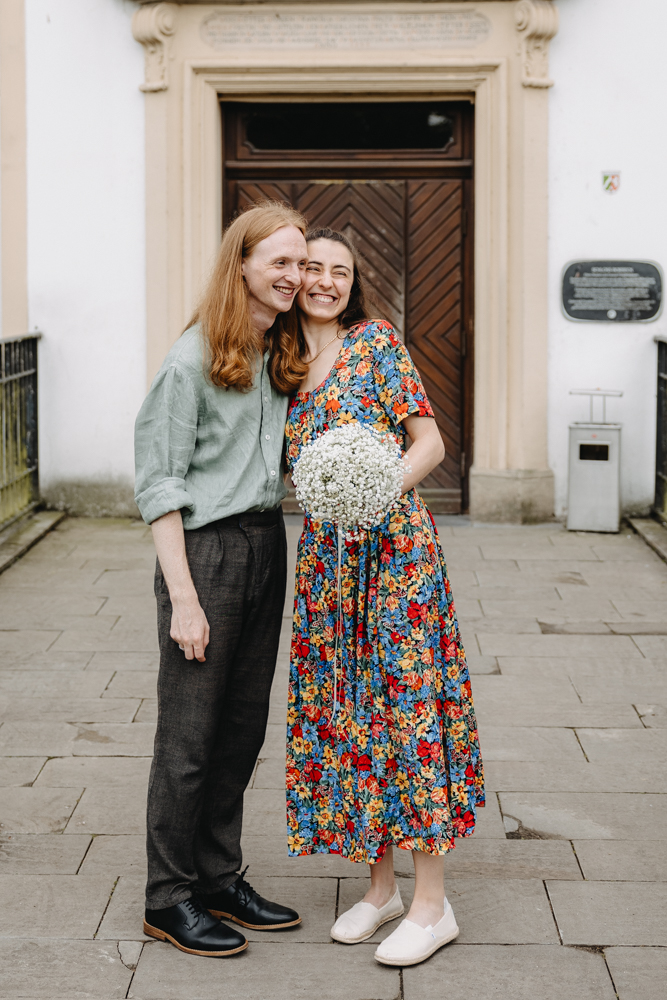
165, 435
399, 385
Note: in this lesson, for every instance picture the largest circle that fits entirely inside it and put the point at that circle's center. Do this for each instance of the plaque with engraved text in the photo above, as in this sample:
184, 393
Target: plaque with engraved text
612, 291
349, 29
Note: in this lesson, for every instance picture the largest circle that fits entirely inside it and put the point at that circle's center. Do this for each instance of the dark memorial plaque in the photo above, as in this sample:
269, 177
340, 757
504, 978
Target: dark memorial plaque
616, 291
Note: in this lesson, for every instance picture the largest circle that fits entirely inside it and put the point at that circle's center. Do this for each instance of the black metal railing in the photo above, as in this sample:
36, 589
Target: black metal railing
19, 474
660, 503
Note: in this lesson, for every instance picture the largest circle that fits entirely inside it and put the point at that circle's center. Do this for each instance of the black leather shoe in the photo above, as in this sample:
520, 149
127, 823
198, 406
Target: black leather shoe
240, 903
191, 928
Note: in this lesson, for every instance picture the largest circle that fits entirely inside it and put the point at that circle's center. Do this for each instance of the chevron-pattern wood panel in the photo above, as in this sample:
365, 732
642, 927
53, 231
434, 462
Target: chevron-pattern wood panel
435, 314
246, 193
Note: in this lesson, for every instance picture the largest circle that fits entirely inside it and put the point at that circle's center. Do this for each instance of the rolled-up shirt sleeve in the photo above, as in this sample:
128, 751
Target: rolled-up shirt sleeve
165, 434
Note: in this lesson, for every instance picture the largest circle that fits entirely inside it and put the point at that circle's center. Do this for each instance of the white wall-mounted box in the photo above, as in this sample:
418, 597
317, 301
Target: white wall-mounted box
594, 502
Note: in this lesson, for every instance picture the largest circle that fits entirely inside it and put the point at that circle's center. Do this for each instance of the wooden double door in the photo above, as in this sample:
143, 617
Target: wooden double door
409, 212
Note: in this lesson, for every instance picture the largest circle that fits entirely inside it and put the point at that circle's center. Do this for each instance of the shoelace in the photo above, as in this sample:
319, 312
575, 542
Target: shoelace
243, 889
195, 909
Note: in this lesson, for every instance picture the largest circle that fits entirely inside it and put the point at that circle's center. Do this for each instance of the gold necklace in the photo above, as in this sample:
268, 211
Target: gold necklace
337, 337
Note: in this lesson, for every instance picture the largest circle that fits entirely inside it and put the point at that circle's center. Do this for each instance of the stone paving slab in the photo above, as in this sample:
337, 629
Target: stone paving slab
623, 860
116, 855
121, 640
20, 770
36, 810
653, 716
653, 647
27, 640
512, 859
648, 685
274, 743
96, 771
288, 971
54, 684
530, 972
589, 815
62, 970
638, 973
552, 715
47, 619
528, 743
70, 709
53, 906
38, 739
147, 711
582, 667
647, 609
489, 825
600, 609
123, 919
478, 664
44, 661
613, 647
111, 740
111, 809
132, 684
105, 660
621, 745
574, 776
37, 854
609, 913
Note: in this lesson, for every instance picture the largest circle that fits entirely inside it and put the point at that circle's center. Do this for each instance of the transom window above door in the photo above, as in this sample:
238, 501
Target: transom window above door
353, 128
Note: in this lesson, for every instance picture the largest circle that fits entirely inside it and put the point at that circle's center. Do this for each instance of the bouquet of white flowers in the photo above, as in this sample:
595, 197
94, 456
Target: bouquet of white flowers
351, 475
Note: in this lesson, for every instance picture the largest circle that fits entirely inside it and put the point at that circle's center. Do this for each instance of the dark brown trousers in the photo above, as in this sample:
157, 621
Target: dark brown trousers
212, 716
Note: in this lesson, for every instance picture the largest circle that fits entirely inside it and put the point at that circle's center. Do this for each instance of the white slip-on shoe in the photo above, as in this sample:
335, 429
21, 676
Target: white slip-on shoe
411, 944
362, 921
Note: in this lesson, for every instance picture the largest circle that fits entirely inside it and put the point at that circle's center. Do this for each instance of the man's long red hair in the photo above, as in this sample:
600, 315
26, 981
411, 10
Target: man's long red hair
224, 316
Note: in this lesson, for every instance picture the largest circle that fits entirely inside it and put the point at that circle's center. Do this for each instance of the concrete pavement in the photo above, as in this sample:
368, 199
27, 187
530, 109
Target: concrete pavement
562, 891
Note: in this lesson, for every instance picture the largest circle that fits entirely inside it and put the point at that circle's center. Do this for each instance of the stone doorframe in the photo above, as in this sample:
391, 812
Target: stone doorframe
501, 64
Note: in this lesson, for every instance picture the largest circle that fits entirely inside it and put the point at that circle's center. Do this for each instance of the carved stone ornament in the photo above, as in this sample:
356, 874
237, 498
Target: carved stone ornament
537, 23
152, 26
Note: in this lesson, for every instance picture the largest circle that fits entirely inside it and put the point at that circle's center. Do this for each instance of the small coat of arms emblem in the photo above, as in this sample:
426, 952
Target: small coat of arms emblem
611, 182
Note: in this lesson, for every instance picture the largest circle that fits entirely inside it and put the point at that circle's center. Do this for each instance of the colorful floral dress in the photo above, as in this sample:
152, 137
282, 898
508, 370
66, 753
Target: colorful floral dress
399, 762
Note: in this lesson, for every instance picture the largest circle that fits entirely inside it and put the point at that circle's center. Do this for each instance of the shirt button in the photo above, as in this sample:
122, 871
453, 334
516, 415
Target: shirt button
266, 399
268, 437
273, 472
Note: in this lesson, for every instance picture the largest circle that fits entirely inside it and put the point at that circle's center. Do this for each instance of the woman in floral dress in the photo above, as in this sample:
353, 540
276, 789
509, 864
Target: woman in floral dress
398, 764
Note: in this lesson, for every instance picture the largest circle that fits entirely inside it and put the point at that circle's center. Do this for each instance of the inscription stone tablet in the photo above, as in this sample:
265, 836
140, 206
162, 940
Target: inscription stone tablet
349, 29
617, 291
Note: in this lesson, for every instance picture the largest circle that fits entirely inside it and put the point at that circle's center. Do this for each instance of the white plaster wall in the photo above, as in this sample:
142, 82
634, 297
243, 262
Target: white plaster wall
86, 245
606, 112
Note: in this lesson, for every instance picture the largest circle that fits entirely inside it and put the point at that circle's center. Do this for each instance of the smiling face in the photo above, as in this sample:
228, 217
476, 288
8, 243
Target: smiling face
273, 273
327, 283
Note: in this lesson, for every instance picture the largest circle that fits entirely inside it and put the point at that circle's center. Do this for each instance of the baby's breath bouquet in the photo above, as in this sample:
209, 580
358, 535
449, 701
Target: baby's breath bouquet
351, 475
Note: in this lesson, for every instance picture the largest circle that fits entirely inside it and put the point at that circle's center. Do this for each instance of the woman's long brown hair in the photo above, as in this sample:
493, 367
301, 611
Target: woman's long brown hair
224, 316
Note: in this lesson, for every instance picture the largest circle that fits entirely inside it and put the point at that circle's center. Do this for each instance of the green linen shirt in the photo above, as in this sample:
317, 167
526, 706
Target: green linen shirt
207, 451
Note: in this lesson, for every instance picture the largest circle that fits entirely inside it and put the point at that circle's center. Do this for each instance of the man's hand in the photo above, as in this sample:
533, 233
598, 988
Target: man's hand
189, 628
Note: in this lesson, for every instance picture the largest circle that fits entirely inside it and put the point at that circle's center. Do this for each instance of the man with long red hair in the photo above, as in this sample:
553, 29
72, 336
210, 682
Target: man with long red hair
209, 481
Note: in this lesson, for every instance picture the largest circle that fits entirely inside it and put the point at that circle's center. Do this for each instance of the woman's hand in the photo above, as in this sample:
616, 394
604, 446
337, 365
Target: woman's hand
426, 450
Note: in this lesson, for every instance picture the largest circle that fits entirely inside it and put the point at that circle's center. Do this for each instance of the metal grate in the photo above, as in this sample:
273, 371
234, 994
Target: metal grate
660, 505
19, 477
